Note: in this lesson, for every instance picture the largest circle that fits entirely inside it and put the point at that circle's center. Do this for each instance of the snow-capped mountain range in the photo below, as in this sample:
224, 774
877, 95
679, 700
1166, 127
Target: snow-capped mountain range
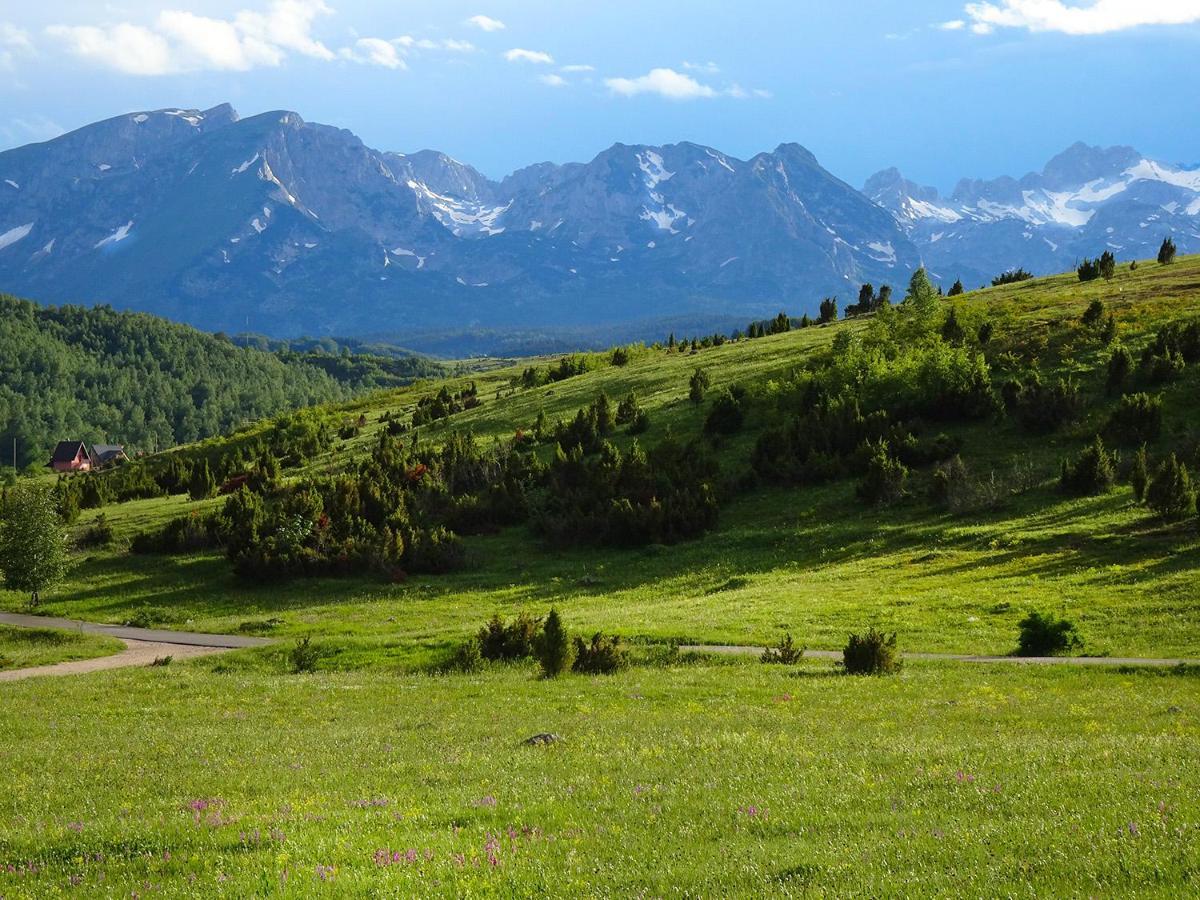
276, 225
1087, 200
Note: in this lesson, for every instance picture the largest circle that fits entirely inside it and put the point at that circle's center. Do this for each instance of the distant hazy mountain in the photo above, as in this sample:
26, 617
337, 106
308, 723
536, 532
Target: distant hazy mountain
1087, 200
284, 227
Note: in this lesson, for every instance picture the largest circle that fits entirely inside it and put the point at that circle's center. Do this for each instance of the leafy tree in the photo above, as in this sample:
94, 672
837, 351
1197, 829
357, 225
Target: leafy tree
33, 552
1166, 252
1170, 493
553, 647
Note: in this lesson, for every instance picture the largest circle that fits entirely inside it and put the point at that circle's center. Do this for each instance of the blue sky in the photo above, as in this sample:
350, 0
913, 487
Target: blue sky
939, 89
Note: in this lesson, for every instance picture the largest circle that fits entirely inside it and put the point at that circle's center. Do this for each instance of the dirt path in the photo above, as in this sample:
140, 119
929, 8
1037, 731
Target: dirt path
142, 645
729, 649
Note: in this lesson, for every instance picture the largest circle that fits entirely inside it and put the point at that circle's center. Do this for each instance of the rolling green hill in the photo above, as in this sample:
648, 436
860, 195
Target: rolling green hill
903, 470
93, 374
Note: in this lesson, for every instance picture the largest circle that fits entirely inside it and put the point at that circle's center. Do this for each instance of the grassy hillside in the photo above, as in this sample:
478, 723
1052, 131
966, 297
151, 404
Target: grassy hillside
380, 773
812, 559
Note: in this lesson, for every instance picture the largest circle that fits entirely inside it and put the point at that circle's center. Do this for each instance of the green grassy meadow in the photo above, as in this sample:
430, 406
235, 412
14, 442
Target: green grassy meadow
228, 776
674, 780
22, 648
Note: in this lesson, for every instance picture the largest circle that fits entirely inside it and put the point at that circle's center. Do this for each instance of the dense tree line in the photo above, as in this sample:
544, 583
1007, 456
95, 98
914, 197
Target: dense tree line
97, 375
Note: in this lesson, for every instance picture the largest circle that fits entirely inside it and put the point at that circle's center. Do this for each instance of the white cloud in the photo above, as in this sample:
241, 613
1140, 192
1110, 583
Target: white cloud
458, 46
374, 52
127, 48
14, 42
486, 23
181, 41
710, 68
1099, 17
530, 56
663, 82
953, 25
578, 68
553, 80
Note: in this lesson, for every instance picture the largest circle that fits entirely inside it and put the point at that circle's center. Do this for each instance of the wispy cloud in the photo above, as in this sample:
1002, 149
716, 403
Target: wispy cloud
537, 57
182, 41
375, 52
14, 42
486, 23
710, 68
577, 68
952, 25
556, 81
672, 85
1099, 17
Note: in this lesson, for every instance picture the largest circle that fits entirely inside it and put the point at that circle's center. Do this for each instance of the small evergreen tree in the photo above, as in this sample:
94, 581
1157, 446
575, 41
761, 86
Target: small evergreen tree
885, 476
829, 309
1170, 493
1120, 364
202, 484
553, 647
956, 289
1092, 473
33, 554
1094, 313
1107, 265
1139, 475
986, 330
884, 297
697, 386
952, 331
1166, 252
1108, 331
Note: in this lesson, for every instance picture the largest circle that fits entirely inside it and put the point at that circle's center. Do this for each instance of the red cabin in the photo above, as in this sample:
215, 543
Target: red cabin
71, 456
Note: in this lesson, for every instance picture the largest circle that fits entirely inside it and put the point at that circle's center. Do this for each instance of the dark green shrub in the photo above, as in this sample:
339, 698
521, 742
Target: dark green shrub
467, 657
601, 656
1045, 635
1120, 364
1139, 475
1043, 408
641, 422
727, 413
786, 653
1094, 313
202, 484
829, 310
1136, 420
1011, 277
873, 653
1108, 331
885, 477
986, 330
514, 640
1162, 368
304, 656
553, 647
697, 385
1166, 252
628, 409
1092, 473
99, 534
1170, 493
950, 481
1089, 270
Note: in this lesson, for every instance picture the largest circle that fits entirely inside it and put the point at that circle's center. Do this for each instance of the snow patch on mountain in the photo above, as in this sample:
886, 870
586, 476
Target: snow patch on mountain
238, 170
13, 235
116, 237
463, 218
